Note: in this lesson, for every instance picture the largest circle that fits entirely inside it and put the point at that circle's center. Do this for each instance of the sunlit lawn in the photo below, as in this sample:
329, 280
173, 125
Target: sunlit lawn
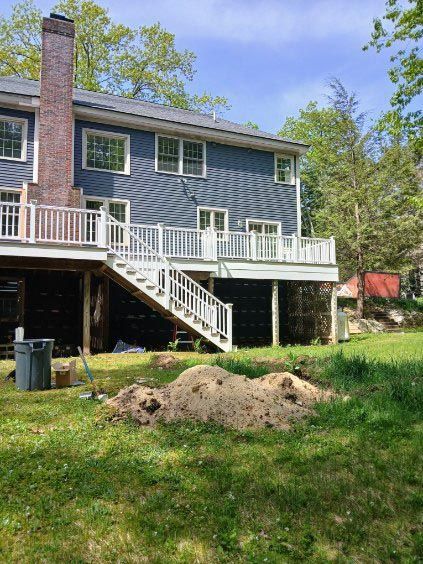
345, 485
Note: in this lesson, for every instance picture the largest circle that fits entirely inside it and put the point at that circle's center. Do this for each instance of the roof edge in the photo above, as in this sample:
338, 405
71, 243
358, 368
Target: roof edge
115, 117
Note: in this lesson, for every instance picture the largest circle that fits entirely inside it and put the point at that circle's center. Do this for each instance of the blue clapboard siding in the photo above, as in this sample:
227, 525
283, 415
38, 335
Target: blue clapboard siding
239, 179
14, 173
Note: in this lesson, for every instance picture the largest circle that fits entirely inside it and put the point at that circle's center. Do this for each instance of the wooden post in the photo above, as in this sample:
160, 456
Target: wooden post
210, 285
86, 314
334, 314
275, 313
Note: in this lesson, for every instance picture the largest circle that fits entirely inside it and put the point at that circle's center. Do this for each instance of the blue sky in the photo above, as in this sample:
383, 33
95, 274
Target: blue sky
270, 57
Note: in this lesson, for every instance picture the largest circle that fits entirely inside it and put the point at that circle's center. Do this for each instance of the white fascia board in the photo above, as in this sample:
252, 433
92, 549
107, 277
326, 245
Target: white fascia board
98, 115
192, 131
19, 102
40, 250
260, 270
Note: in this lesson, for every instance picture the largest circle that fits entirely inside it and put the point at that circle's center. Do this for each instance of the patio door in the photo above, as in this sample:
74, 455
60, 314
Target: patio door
267, 240
9, 214
118, 209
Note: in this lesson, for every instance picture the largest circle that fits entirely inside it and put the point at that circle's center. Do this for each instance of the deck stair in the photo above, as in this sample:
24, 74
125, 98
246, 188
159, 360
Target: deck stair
389, 325
153, 279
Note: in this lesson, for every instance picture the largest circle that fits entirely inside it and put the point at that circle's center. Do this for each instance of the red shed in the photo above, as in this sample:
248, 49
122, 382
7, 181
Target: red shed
376, 285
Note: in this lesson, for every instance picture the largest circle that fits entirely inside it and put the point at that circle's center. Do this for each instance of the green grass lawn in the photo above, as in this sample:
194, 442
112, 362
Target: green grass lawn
343, 485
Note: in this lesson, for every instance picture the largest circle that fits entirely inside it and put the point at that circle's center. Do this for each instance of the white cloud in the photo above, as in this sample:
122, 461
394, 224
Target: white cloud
271, 22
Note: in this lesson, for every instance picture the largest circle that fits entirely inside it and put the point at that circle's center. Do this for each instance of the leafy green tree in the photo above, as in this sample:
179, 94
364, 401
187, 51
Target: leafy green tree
362, 188
402, 27
141, 63
251, 124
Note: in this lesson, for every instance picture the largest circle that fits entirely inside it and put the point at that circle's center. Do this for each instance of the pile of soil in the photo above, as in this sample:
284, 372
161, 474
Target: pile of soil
164, 361
210, 393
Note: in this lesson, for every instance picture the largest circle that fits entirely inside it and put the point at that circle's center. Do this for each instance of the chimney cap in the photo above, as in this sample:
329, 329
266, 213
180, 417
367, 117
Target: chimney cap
60, 17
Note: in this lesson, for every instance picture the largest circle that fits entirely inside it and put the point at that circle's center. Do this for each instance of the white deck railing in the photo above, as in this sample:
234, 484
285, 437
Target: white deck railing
71, 226
31, 223
183, 243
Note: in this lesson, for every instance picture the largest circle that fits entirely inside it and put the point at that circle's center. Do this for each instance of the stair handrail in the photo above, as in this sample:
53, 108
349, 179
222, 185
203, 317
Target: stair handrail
224, 327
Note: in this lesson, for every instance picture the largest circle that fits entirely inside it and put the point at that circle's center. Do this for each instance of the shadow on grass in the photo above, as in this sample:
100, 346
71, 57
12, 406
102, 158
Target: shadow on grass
77, 488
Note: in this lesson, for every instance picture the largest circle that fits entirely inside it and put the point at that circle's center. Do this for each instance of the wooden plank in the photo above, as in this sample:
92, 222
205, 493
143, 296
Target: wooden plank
42, 263
275, 313
86, 314
334, 315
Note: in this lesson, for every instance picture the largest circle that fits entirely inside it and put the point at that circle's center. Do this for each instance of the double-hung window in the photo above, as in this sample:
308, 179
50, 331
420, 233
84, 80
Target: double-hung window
285, 169
118, 209
13, 137
180, 156
9, 213
106, 151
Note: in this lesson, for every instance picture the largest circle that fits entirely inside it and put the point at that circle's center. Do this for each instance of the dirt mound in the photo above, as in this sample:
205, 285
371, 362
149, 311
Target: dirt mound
164, 361
210, 393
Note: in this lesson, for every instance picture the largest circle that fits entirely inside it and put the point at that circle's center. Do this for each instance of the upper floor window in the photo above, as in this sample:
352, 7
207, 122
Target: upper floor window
106, 151
180, 156
285, 169
211, 217
13, 136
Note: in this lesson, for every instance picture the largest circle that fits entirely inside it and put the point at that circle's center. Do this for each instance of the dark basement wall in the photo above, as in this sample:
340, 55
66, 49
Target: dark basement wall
52, 307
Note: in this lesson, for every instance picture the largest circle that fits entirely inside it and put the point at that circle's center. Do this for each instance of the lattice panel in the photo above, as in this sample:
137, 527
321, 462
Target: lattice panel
308, 310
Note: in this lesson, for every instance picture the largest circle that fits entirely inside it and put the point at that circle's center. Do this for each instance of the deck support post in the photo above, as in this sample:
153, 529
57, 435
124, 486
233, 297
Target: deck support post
210, 285
275, 313
334, 314
86, 314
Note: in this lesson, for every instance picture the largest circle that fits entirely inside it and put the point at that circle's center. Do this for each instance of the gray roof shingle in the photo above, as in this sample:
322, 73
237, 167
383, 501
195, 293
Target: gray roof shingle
25, 87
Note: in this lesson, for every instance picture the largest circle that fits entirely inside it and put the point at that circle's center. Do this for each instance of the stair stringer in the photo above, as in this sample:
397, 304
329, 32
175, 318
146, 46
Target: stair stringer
147, 291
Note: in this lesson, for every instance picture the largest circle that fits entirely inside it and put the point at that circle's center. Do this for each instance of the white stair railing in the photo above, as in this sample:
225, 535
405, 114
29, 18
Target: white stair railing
174, 284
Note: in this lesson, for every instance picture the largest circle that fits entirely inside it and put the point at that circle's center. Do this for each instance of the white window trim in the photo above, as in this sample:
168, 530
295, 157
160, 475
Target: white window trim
293, 175
265, 222
180, 156
6, 189
24, 123
106, 202
127, 139
210, 209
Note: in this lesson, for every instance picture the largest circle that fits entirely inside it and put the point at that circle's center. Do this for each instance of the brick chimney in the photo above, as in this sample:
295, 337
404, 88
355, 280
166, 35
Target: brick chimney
56, 116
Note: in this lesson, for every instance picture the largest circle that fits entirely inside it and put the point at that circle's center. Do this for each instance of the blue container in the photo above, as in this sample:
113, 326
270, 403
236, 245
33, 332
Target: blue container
33, 364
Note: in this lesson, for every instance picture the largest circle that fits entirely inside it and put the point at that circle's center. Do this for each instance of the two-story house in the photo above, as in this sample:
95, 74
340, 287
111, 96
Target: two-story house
122, 219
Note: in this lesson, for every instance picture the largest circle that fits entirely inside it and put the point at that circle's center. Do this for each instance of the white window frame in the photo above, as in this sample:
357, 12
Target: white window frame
106, 202
293, 174
180, 156
212, 210
22, 217
111, 134
264, 222
24, 123
14, 190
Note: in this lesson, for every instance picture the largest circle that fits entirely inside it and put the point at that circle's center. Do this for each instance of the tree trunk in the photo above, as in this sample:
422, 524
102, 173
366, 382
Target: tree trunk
360, 286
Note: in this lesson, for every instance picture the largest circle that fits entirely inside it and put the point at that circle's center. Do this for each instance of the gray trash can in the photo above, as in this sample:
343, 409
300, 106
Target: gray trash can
33, 364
